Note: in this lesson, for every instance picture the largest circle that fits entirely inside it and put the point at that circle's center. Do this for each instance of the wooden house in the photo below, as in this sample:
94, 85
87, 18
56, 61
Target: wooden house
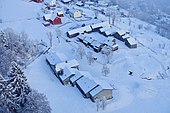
72, 33
66, 75
85, 85
55, 20
97, 46
131, 42
110, 32
102, 90
119, 35
102, 30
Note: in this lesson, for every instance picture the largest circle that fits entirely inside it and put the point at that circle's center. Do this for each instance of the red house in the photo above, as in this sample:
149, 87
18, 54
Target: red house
55, 20
38, 1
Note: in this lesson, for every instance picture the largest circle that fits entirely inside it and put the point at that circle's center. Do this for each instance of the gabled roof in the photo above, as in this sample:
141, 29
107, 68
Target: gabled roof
70, 63
131, 41
110, 31
67, 72
86, 84
54, 58
102, 86
102, 24
80, 30
104, 28
65, 1
47, 16
78, 74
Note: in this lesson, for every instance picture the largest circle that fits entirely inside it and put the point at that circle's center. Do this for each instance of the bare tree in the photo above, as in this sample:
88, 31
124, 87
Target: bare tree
105, 70
90, 57
108, 52
80, 51
58, 33
104, 102
97, 101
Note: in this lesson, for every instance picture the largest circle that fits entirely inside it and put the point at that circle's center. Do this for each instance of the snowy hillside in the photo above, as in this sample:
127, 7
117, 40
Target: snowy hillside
145, 90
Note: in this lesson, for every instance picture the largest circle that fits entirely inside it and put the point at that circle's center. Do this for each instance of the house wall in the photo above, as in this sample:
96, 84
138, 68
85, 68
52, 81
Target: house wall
77, 14
104, 93
57, 21
129, 45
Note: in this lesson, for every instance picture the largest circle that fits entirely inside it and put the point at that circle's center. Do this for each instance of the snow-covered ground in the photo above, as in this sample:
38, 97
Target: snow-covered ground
133, 93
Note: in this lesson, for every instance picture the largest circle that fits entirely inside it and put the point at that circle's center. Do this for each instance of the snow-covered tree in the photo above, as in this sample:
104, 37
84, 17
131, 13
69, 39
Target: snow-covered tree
108, 52
105, 70
90, 57
80, 51
104, 102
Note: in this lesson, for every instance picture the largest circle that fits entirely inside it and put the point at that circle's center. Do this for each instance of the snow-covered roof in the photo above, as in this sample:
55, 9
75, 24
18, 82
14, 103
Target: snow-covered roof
131, 41
69, 63
96, 43
102, 24
110, 31
126, 36
79, 3
121, 32
80, 30
104, 29
102, 85
67, 72
47, 16
54, 58
86, 84
88, 39
60, 12
53, 17
78, 74
65, 1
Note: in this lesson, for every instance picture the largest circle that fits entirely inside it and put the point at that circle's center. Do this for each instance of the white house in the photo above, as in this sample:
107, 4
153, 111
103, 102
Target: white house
102, 90
75, 13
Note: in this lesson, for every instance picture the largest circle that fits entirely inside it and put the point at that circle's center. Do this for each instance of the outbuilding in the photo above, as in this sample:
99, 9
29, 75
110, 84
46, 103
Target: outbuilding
55, 20
76, 77
131, 42
97, 26
66, 1
75, 13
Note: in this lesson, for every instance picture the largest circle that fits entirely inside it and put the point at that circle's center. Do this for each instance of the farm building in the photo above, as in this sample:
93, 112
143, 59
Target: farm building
102, 90
97, 26
70, 63
76, 77
38, 1
126, 36
66, 1
75, 13
88, 40
55, 20
72, 33
85, 85
66, 75
131, 42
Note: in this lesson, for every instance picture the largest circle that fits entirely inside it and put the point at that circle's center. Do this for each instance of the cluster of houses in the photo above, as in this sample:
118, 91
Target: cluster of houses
106, 30
67, 71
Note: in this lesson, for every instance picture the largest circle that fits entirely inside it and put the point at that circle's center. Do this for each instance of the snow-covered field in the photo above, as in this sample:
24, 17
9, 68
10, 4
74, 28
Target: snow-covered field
133, 93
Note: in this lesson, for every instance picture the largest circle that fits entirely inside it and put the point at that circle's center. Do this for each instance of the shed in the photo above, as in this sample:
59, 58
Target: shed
75, 13
85, 85
38, 1
66, 75
76, 77
55, 20
97, 26
60, 14
102, 90
131, 42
